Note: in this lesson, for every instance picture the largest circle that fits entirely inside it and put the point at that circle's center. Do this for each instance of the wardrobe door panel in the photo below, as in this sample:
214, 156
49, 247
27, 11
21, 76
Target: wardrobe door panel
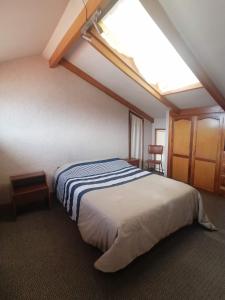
195, 151
206, 154
207, 138
204, 175
181, 149
181, 137
180, 168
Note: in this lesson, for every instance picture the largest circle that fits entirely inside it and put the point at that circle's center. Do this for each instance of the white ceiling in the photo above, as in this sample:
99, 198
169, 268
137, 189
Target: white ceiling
85, 57
201, 23
26, 26
192, 98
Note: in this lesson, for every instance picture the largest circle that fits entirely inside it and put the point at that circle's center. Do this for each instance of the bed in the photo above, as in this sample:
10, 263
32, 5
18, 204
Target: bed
123, 210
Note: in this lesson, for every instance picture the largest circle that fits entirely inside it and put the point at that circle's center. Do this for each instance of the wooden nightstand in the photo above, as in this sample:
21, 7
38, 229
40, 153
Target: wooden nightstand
29, 188
133, 161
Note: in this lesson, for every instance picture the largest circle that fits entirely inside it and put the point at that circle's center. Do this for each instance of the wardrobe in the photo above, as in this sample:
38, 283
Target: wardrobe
196, 148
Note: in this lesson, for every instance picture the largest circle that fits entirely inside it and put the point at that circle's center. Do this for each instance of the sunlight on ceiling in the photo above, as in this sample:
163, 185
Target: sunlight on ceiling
130, 30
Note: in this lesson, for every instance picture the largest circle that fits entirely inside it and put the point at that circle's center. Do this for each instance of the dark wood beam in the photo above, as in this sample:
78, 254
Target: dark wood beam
74, 32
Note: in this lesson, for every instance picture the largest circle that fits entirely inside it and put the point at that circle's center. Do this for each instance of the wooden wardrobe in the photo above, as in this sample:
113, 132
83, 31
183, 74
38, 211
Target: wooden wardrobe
196, 148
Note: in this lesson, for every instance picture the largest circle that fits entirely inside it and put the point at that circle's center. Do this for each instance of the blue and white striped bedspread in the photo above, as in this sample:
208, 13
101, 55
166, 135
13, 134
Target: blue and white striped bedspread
75, 180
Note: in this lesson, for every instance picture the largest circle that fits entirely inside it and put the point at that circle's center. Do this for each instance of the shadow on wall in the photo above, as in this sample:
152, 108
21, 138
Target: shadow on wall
50, 116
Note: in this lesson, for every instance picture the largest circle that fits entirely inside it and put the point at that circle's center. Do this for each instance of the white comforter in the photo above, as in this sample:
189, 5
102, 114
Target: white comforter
125, 220
128, 220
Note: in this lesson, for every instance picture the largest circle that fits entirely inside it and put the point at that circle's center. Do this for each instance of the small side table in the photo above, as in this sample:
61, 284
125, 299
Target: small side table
29, 188
133, 161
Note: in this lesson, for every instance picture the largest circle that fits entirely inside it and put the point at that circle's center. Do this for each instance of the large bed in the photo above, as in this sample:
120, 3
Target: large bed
123, 210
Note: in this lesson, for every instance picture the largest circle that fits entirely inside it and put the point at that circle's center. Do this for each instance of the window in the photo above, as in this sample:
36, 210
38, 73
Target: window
136, 137
130, 30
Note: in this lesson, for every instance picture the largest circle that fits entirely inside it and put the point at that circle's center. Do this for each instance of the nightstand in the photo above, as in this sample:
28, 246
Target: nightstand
133, 161
29, 188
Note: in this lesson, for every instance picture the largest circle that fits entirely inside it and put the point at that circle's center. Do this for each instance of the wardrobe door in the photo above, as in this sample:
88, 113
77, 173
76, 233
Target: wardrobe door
181, 149
206, 152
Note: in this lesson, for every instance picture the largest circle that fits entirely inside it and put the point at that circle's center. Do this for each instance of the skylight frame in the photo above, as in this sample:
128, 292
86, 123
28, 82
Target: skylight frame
128, 60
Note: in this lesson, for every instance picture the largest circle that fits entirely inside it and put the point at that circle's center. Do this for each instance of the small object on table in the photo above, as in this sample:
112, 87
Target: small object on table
133, 161
29, 188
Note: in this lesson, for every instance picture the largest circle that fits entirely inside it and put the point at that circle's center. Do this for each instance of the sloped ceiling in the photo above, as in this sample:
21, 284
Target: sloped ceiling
26, 26
192, 98
201, 23
195, 21
85, 57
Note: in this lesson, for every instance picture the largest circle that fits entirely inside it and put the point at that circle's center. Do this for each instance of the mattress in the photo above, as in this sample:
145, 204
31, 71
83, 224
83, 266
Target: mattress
123, 210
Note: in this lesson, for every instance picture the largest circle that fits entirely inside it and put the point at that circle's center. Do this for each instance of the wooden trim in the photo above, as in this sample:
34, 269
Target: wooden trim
179, 117
104, 89
205, 159
74, 32
181, 155
108, 53
160, 17
200, 111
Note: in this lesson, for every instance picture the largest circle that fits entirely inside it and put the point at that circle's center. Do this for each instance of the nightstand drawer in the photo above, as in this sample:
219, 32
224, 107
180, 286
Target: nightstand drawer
31, 196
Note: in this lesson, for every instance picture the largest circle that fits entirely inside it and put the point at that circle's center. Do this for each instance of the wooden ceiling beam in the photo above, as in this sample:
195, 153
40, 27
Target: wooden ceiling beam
104, 89
115, 59
160, 17
74, 32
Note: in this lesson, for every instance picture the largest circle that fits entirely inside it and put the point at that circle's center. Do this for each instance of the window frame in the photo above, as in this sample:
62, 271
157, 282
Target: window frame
130, 62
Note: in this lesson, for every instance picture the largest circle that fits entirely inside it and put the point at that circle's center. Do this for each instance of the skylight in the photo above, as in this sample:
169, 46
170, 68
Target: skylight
130, 30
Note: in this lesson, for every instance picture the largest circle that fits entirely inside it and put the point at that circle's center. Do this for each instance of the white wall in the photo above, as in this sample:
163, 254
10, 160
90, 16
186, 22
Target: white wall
50, 116
158, 123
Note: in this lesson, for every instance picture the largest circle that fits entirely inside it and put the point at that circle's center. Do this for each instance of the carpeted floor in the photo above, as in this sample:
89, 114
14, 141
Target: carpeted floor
42, 256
